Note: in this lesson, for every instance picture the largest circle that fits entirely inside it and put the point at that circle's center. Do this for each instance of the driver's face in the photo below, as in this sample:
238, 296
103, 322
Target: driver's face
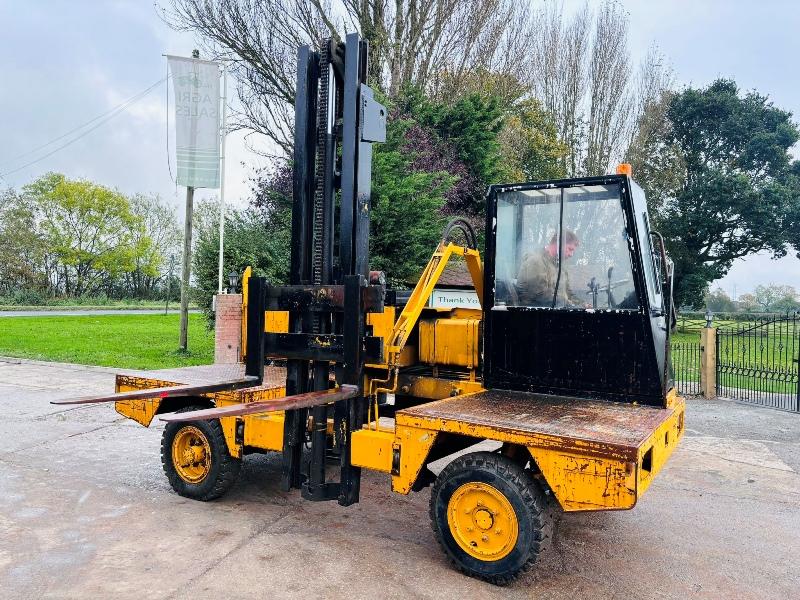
569, 250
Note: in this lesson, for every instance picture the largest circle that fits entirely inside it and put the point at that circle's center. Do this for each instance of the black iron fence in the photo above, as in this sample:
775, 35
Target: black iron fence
757, 361
685, 358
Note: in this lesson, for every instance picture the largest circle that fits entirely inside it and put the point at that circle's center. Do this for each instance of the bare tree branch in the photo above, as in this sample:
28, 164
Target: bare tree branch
412, 42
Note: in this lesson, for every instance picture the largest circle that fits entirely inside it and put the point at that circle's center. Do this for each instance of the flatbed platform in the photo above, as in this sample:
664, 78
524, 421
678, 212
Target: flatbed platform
594, 427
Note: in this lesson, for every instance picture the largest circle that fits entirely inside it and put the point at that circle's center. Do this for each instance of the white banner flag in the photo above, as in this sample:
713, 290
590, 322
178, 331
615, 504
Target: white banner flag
196, 85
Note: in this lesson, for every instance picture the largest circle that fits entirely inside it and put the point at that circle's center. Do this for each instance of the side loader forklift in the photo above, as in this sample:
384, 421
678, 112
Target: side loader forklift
572, 386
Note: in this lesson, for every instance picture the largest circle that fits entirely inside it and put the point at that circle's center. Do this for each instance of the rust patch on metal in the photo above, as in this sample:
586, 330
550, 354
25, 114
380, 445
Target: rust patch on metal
571, 424
306, 400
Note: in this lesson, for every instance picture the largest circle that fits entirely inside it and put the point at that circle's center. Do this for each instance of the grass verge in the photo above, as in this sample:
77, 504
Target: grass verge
123, 341
144, 305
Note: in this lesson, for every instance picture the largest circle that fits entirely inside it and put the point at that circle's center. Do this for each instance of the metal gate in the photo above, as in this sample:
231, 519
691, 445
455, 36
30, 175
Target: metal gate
757, 361
685, 359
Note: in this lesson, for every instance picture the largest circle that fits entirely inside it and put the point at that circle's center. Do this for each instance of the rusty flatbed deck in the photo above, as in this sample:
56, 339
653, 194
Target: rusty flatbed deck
570, 423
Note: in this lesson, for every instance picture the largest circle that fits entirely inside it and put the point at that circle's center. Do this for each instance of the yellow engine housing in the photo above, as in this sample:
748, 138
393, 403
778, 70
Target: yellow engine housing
451, 342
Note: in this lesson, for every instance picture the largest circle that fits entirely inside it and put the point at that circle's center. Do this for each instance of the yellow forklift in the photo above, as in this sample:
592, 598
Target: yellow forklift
564, 369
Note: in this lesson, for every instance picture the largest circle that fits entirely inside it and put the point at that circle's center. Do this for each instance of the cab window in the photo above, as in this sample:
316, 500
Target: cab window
652, 262
563, 248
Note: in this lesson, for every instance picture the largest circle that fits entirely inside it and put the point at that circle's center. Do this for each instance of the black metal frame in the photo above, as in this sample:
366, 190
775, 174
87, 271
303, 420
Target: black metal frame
602, 354
328, 296
759, 362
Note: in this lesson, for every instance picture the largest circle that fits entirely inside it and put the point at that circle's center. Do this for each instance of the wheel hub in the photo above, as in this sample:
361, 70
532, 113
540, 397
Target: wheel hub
191, 454
482, 521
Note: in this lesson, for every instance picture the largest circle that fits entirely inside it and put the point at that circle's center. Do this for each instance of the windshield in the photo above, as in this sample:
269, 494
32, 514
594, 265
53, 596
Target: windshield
563, 248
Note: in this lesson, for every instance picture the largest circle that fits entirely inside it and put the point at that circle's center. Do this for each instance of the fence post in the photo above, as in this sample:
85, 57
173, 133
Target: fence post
708, 360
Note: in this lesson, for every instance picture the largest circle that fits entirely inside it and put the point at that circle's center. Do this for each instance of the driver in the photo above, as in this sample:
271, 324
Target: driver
536, 281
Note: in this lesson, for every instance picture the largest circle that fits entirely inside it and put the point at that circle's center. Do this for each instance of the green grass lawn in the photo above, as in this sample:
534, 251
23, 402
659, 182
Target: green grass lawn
123, 341
90, 304
685, 356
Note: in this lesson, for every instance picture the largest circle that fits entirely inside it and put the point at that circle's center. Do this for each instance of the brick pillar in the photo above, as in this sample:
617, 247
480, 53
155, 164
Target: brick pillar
228, 329
708, 362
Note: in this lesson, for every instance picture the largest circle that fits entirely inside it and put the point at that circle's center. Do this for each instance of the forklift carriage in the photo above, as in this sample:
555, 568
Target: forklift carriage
565, 367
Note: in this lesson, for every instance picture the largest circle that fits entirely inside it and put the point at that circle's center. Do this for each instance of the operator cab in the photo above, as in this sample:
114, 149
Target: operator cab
576, 302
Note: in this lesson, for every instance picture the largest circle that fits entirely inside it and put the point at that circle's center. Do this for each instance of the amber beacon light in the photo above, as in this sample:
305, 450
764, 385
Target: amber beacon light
625, 169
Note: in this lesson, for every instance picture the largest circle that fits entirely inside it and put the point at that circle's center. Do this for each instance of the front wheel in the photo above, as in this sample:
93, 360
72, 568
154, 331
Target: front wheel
489, 516
196, 460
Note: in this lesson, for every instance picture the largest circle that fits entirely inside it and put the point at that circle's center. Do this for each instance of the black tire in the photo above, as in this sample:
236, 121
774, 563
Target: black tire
522, 492
221, 474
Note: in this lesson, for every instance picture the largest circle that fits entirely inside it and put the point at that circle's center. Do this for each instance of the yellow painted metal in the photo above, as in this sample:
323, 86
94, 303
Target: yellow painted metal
419, 297
141, 411
264, 432
191, 454
372, 449
260, 429
435, 388
582, 482
414, 444
482, 521
407, 357
382, 324
653, 454
248, 272
451, 342
583, 476
673, 398
408, 318
473, 260
276, 321
228, 425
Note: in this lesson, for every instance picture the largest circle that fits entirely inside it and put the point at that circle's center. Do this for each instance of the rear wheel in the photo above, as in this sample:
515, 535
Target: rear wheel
489, 516
196, 460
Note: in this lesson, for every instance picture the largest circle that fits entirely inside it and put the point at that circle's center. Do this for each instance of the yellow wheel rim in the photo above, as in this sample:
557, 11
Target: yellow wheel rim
482, 521
191, 454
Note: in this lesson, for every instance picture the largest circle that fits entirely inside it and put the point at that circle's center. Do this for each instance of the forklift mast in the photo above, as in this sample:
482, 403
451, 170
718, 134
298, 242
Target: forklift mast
336, 122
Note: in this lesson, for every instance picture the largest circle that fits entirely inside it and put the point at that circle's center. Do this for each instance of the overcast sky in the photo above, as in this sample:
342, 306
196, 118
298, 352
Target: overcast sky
68, 61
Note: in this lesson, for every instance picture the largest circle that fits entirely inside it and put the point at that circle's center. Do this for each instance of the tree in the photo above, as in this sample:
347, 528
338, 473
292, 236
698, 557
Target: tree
87, 231
583, 76
407, 197
158, 238
416, 174
249, 241
733, 191
747, 302
529, 144
411, 42
459, 138
22, 250
776, 298
718, 301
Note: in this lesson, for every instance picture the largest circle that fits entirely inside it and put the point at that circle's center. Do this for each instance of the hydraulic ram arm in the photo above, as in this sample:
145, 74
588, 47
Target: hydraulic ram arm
307, 400
166, 392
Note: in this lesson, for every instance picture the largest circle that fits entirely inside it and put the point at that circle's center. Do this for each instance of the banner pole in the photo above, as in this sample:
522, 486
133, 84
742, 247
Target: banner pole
187, 261
223, 133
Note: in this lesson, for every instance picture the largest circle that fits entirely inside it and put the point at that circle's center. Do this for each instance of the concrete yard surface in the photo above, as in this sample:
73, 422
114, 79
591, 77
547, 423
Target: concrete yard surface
86, 512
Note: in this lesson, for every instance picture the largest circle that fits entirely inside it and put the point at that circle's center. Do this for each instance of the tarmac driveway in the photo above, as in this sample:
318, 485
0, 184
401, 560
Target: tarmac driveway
85, 511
